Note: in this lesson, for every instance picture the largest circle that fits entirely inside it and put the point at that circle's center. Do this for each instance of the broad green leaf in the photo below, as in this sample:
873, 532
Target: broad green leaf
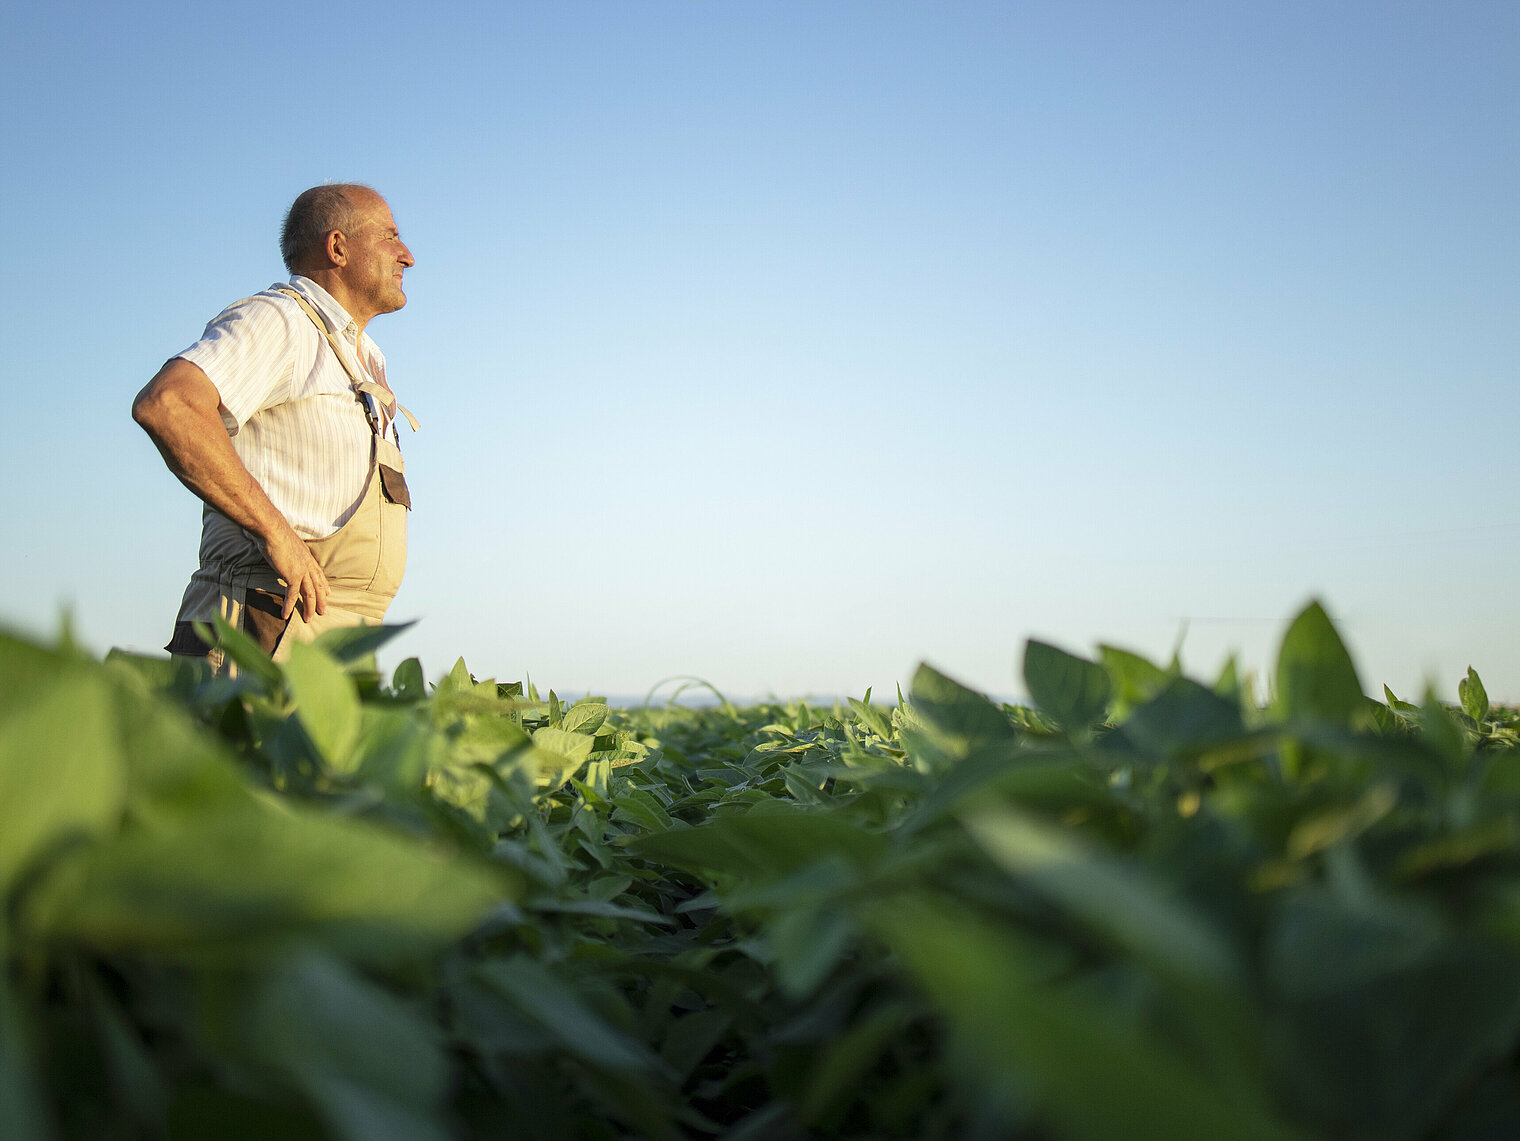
561, 754
1109, 898
1323, 829
1316, 680
234, 882
692, 1037
765, 843
1097, 1076
61, 770
326, 703
408, 682
156, 673
1441, 732
1384, 1016
1227, 684
1183, 720
871, 717
641, 808
23, 1109
350, 643
1070, 689
1133, 679
1473, 696
584, 717
846, 1060
135, 1078
809, 943
600, 909
373, 1068
950, 720
392, 748
243, 650
458, 679
1059, 786
560, 1014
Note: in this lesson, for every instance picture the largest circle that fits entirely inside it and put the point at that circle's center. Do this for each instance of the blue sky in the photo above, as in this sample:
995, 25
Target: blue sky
789, 344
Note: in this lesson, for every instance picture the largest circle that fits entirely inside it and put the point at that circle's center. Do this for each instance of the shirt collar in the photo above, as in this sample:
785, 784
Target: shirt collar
337, 317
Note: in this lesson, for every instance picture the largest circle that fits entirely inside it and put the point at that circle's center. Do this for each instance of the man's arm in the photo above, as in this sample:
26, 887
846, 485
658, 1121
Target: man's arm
180, 409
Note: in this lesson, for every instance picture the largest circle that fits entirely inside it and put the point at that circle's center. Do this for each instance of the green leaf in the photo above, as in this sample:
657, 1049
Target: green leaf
871, 717
641, 808
557, 1011
584, 717
1183, 720
374, 1069
763, 843
458, 679
1104, 895
1384, 1017
61, 768
408, 682
326, 703
692, 1037
1473, 696
244, 651
846, 1059
949, 721
1134, 680
350, 643
809, 943
232, 883
1316, 680
23, 1111
561, 754
1071, 690
1097, 1076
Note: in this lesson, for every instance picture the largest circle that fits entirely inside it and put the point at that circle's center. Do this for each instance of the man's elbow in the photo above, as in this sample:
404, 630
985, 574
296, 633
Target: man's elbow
145, 408
154, 411
168, 397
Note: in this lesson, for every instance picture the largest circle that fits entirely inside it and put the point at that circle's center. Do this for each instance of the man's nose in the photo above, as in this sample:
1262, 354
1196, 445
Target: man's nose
406, 256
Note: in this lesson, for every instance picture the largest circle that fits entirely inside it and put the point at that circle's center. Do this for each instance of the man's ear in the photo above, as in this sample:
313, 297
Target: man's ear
337, 248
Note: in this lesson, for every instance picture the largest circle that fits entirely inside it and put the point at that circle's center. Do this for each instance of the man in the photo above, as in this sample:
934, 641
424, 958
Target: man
280, 419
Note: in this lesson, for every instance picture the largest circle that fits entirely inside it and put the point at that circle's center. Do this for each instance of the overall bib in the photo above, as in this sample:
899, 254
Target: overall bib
363, 560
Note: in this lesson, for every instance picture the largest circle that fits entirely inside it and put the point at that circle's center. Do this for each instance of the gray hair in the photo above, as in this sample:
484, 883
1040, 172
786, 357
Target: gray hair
312, 216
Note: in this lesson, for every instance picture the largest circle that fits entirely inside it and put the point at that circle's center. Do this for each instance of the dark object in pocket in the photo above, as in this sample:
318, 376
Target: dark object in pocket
187, 642
393, 483
263, 621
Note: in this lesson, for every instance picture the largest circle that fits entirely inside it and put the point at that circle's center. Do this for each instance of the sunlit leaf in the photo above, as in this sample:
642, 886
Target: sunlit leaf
1316, 680
1070, 689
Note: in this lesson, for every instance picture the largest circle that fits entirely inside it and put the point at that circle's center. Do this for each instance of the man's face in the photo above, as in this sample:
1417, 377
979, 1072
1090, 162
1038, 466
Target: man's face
376, 257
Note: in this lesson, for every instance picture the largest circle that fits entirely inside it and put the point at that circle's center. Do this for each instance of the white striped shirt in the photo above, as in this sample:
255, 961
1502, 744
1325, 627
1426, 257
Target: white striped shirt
288, 405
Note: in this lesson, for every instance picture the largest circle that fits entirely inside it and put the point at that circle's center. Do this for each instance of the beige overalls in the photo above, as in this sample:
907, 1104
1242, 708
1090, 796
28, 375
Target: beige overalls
363, 560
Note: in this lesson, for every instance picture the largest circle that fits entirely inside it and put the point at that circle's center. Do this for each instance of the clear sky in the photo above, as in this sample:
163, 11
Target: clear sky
788, 344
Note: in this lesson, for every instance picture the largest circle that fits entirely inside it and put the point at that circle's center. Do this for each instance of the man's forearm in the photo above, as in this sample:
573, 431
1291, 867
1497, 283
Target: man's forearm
180, 409
181, 412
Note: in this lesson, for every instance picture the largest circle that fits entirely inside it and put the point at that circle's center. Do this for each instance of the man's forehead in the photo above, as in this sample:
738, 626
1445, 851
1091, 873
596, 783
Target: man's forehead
372, 208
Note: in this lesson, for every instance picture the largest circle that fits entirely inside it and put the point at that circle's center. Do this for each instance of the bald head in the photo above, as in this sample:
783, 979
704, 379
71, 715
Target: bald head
316, 213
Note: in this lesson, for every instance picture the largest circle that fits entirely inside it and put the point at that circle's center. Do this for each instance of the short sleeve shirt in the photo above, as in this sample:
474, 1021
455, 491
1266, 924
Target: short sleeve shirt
288, 405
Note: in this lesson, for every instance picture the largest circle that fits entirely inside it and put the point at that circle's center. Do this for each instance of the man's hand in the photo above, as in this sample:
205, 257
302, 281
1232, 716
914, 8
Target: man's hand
182, 411
305, 584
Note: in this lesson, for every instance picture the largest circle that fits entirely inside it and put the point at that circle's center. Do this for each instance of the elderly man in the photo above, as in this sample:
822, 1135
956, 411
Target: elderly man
281, 420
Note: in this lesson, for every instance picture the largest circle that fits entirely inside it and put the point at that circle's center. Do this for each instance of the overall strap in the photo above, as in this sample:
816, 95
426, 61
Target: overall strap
384, 395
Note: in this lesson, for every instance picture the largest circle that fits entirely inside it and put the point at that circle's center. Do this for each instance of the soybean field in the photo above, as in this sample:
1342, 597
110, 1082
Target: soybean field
312, 901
